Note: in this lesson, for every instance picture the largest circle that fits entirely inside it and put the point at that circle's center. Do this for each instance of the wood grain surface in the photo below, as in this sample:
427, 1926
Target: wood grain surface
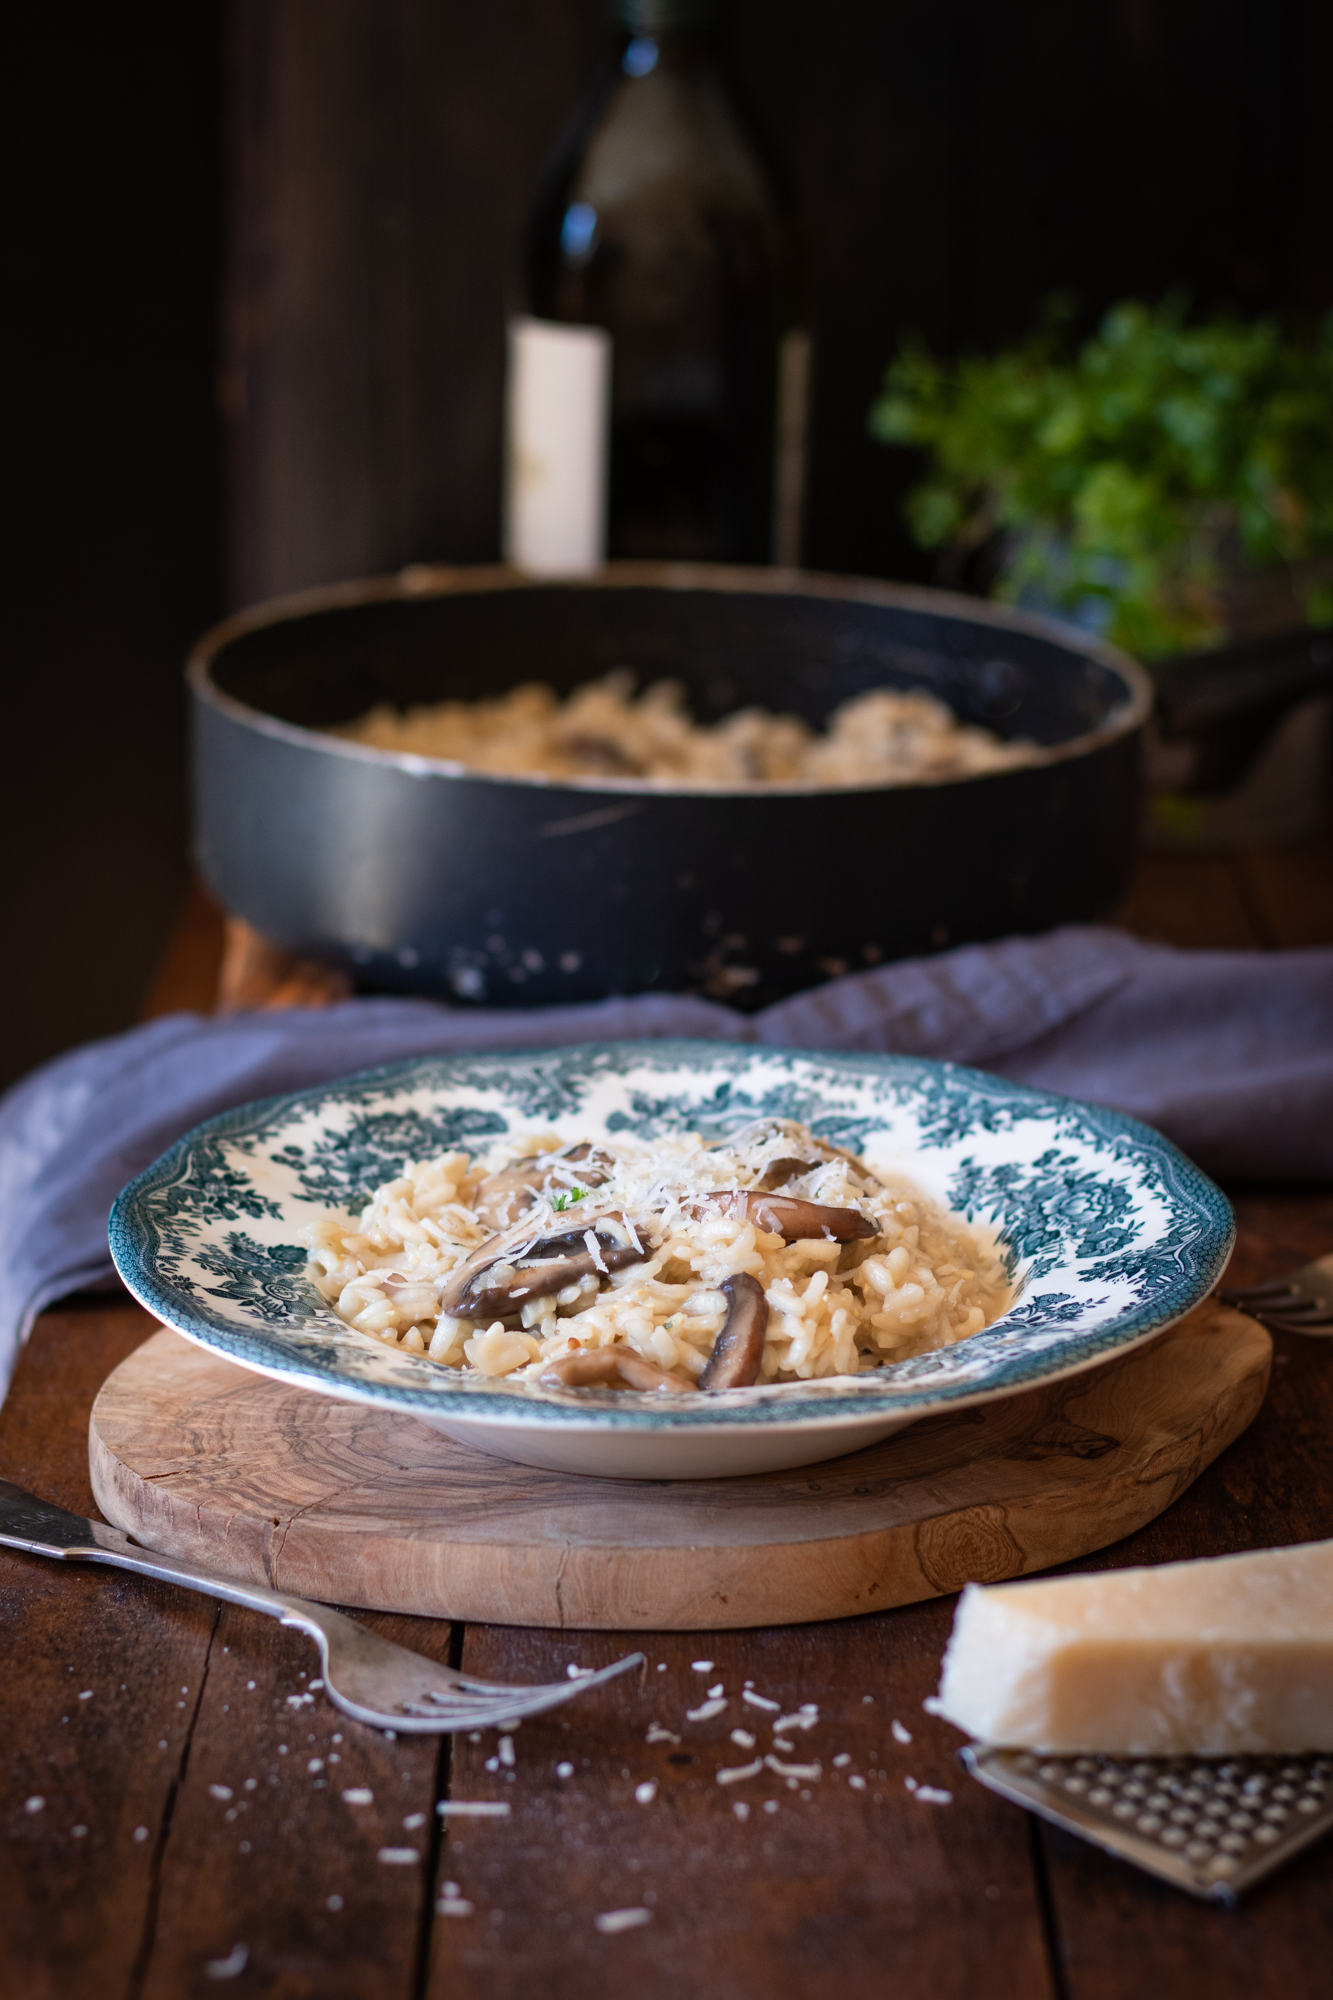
954, 166
334, 1500
856, 1891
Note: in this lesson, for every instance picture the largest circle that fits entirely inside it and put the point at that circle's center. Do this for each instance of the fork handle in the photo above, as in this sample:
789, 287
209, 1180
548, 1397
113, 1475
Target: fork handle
39, 1529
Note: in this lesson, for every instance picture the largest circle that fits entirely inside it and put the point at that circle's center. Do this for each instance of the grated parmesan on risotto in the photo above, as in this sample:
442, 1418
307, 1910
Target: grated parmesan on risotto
886, 737
669, 1264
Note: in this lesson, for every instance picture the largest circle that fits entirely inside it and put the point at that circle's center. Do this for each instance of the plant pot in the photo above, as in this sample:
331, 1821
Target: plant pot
1237, 755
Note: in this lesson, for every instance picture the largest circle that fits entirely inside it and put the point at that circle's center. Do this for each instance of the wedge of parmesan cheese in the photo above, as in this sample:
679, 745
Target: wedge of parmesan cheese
1225, 1657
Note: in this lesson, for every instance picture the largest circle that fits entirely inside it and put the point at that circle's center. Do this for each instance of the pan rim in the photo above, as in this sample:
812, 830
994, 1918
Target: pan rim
419, 580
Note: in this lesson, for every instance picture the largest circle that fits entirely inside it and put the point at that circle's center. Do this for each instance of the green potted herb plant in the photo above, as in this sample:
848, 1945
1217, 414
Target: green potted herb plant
1167, 484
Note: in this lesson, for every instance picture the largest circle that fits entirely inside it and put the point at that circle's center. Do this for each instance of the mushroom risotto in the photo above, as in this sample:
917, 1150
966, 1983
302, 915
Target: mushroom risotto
668, 1264
883, 738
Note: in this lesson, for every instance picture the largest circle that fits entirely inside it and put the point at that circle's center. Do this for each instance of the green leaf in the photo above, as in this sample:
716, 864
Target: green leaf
1130, 472
1319, 604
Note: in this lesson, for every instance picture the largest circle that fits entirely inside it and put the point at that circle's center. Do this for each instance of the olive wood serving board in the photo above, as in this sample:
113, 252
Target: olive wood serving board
334, 1500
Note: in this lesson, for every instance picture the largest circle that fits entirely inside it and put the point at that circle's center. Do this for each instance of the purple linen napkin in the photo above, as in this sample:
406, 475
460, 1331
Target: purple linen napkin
1229, 1053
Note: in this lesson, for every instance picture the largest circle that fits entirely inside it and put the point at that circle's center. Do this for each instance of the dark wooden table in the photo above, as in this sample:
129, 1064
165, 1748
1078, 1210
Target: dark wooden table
172, 1806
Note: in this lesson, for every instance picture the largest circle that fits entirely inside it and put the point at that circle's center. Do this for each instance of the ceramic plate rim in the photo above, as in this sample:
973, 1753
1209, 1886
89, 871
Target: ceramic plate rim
855, 1401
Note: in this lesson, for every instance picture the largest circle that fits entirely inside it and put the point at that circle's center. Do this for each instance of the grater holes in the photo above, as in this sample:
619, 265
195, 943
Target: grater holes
1194, 1822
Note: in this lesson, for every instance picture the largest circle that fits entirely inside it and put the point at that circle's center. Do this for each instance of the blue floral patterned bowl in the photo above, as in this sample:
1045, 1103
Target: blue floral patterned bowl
1109, 1232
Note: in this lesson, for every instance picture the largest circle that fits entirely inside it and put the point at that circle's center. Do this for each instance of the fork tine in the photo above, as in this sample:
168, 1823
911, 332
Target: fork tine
464, 1684
456, 1708
444, 1718
484, 1690
436, 1720
576, 1684
1286, 1307
495, 1716
480, 1715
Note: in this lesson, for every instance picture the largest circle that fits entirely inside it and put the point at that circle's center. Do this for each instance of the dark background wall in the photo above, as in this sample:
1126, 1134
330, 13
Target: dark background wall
114, 554
954, 160
277, 239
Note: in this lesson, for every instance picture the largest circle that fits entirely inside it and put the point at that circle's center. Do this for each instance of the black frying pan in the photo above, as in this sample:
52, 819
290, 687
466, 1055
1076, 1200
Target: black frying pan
518, 891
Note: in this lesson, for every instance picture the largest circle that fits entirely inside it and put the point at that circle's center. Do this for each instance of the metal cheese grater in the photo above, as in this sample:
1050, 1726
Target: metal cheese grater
1213, 1826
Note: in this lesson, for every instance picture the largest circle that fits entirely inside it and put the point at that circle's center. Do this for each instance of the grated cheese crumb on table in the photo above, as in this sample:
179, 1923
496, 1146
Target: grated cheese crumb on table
611, 1921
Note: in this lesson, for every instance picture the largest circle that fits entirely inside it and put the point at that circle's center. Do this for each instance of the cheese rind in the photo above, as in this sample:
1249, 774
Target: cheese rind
1231, 1656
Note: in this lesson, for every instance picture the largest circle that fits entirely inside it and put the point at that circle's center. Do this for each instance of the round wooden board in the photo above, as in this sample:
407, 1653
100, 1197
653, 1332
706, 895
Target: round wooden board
332, 1500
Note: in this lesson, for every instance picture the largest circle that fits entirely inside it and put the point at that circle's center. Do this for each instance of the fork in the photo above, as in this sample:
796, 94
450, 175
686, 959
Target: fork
1301, 1301
367, 1677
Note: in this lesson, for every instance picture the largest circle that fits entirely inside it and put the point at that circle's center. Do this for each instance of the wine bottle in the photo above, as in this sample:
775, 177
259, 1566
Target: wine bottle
659, 353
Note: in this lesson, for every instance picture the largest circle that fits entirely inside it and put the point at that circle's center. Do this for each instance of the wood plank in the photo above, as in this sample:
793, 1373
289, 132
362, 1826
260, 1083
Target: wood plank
846, 1888
186, 979
1292, 888
81, 1868
1188, 899
185, 1695
255, 973
316, 394
953, 168
484, 98
1271, 1489
340, 1501
214, 963
823, 1908
383, 160
115, 555
1279, 1228
266, 1851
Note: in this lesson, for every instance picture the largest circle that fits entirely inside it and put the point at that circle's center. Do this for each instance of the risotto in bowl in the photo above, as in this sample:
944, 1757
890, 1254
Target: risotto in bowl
667, 1264
670, 1259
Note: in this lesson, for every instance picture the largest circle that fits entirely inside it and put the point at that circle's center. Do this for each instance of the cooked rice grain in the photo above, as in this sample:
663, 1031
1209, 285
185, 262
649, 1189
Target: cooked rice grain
886, 737
926, 1278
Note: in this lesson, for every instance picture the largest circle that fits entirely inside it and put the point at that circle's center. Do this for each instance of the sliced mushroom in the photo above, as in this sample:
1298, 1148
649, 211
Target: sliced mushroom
787, 1216
739, 1347
760, 1130
766, 1129
607, 1368
517, 1265
600, 757
779, 1172
504, 1197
